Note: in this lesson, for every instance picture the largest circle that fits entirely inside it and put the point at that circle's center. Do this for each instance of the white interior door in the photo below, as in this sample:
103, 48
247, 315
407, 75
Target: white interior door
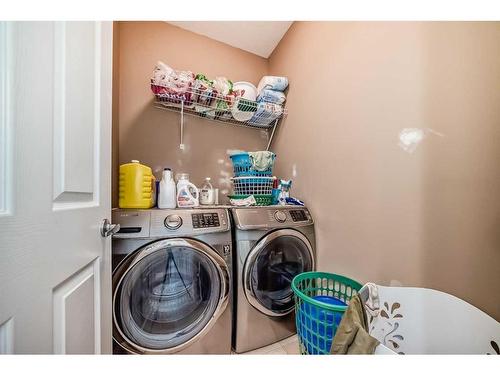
55, 177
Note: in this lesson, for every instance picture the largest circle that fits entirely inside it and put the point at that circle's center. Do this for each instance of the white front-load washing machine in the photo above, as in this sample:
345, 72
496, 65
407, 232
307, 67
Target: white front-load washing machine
272, 245
172, 281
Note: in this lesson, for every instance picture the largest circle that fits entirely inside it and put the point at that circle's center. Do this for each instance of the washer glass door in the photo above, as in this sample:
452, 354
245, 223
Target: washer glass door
168, 296
271, 266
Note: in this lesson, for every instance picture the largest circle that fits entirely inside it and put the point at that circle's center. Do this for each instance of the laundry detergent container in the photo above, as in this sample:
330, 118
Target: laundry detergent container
136, 186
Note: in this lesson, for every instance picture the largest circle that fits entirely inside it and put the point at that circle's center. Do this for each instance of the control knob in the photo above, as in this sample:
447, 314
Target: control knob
173, 222
280, 216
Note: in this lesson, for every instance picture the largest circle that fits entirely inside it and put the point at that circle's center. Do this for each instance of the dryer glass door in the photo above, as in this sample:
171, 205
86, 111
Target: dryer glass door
168, 296
271, 266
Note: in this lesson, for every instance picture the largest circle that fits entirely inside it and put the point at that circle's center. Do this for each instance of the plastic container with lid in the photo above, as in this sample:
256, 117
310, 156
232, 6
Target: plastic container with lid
167, 197
136, 186
207, 193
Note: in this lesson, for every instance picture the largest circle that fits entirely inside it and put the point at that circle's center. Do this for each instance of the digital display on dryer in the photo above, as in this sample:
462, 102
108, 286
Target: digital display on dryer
298, 215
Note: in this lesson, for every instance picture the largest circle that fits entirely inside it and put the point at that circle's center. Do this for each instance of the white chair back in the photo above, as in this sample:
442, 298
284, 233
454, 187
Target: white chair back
427, 321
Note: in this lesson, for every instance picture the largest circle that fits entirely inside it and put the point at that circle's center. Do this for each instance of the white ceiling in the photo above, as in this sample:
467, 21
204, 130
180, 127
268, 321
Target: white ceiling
258, 37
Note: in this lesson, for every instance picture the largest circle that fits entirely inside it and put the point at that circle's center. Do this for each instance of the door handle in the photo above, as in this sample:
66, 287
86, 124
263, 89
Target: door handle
108, 229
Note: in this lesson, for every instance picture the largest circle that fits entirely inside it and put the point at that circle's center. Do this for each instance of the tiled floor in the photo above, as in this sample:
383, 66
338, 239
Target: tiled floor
289, 345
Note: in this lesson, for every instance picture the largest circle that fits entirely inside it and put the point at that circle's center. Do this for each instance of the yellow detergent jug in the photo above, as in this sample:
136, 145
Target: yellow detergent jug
136, 186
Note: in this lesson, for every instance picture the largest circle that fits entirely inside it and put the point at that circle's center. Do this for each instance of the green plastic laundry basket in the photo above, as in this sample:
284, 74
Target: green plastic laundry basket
320, 301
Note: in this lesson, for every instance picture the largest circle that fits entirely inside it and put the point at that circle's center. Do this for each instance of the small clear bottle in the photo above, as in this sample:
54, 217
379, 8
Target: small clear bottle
207, 193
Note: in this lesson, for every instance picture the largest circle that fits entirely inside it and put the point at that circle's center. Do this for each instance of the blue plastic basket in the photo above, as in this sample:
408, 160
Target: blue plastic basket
252, 185
320, 301
243, 166
318, 325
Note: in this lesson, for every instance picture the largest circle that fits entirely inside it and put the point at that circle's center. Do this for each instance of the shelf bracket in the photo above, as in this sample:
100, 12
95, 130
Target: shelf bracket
181, 145
272, 134
189, 112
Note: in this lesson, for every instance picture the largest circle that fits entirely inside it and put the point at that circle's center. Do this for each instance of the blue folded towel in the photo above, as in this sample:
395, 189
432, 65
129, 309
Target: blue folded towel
271, 96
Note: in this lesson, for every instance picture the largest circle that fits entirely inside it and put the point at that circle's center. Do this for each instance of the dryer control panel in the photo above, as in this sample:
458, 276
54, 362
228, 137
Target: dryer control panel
269, 217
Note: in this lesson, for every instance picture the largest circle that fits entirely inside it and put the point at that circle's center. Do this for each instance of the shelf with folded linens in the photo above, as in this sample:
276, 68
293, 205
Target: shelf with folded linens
219, 100
263, 115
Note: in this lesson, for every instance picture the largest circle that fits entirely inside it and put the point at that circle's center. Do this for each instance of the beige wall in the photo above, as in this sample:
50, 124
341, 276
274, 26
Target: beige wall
152, 135
431, 218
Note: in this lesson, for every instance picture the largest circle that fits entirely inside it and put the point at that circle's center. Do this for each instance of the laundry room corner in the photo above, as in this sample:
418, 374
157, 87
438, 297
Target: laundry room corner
151, 135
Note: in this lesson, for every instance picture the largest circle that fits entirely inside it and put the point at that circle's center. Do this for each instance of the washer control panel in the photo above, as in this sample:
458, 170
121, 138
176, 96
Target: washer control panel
188, 221
205, 220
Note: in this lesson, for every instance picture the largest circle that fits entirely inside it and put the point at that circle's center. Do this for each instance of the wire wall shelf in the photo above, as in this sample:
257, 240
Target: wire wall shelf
228, 109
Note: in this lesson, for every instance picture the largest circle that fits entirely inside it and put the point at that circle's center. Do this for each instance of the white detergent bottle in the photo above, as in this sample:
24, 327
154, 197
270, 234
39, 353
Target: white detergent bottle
187, 193
207, 193
167, 197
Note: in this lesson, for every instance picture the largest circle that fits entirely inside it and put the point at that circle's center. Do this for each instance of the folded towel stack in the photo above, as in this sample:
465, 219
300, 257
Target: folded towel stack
270, 100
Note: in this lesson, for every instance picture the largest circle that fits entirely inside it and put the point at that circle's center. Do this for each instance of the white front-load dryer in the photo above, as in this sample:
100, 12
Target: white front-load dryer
272, 245
172, 281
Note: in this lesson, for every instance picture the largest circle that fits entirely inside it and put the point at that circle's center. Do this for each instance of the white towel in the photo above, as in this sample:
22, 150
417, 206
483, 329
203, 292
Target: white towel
248, 201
